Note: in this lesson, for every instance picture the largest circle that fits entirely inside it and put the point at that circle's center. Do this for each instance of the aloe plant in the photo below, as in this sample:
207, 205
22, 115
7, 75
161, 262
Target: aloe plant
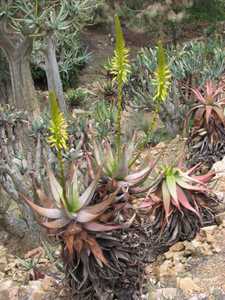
118, 169
81, 220
206, 137
178, 200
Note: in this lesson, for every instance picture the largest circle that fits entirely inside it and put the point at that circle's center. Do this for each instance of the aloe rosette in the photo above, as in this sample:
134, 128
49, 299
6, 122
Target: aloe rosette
117, 168
72, 213
178, 201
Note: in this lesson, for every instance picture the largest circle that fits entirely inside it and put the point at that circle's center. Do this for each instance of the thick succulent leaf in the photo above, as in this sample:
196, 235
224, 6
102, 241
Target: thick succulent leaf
166, 199
194, 168
198, 116
140, 176
123, 164
189, 114
73, 192
184, 201
90, 168
45, 200
69, 240
51, 213
98, 227
220, 114
99, 157
56, 189
208, 113
204, 178
198, 95
154, 186
171, 185
96, 250
184, 184
87, 195
92, 212
56, 224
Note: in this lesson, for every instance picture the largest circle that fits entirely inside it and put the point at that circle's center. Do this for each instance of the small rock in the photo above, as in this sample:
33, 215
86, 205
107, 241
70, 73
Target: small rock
188, 252
170, 293
187, 285
2, 275
177, 247
179, 268
168, 255
48, 283
210, 229
210, 238
5, 287
216, 249
38, 295
219, 218
3, 263
165, 268
35, 284
199, 297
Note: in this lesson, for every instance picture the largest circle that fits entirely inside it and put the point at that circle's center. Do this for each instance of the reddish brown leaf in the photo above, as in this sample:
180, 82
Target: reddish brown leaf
208, 113
69, 239
51, 213
98, 227
184, 201
198, 117
96, 250
78, 245
56, 224
92, 212
166, 199
46, 201
73, 229
220, 114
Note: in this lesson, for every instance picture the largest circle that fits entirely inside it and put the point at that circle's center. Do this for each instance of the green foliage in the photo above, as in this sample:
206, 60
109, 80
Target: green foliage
191, 64
207, 10
76, 97
104, 115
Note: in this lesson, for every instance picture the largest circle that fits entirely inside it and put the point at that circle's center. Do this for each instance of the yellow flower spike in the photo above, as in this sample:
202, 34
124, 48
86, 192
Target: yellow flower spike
120, 71
162, 76
58, 126
120, 62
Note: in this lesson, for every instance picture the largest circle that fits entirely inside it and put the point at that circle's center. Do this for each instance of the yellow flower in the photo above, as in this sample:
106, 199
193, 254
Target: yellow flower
162, 76
120, 61
58, 126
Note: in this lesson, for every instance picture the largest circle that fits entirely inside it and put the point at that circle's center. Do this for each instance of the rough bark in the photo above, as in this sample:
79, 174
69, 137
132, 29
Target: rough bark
5, 86
18, 51
16, 179
52, 71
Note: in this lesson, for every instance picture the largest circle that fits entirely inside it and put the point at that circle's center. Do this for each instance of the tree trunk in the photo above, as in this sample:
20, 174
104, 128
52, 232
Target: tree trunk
24, 227
23, 92
52, 72
18, 50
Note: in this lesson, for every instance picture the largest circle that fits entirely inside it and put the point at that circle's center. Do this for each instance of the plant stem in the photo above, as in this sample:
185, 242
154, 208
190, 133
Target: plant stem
119, 113
62, 175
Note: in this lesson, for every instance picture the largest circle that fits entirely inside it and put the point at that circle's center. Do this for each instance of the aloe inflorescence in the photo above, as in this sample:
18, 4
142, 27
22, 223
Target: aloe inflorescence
120, 71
